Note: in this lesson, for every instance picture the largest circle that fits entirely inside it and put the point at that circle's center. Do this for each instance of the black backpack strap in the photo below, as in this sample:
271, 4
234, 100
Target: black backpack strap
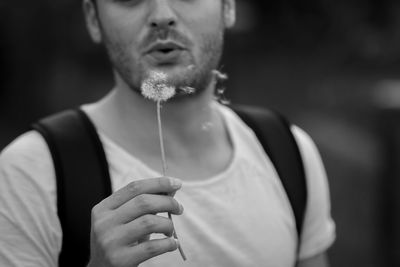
274, 134
82, 175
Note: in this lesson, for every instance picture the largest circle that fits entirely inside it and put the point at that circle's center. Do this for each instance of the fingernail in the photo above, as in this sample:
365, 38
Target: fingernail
176, 242
176, 183
180, 208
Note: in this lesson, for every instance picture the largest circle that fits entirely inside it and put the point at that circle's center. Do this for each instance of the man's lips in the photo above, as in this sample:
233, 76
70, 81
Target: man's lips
164, 47
165, 52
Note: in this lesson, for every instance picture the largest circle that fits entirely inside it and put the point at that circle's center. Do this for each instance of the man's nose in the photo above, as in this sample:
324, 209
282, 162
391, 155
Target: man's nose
162, 14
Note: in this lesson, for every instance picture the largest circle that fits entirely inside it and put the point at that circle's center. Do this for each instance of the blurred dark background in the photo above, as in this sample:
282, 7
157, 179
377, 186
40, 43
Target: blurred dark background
332, 66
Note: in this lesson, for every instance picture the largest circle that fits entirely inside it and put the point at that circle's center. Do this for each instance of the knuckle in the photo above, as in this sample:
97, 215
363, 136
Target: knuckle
97, 228
96, 220
117, 197
109, 241
113, 258
101, 224
96, 210
105, 242
99, 219
152, 249
133, 187
97, 224
142, 203
148, 223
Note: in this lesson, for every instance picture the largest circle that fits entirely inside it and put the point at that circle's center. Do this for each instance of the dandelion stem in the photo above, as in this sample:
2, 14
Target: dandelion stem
160, 135
164, 168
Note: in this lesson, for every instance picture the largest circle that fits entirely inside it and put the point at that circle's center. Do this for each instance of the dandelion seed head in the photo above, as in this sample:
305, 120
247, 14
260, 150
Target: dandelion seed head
156, 87
187, 90
219, 75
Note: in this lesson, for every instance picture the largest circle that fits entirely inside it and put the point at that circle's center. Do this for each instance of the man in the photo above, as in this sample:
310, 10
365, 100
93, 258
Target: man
236, 211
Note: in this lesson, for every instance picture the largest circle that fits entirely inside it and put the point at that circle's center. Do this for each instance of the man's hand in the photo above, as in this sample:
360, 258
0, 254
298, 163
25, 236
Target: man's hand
122, 223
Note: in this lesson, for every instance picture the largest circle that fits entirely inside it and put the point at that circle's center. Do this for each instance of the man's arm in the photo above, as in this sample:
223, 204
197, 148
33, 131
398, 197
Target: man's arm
28, 213
319, 260
318, 232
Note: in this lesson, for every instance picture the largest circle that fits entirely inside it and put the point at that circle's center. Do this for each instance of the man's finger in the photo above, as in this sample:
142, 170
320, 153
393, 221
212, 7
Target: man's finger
141, 229
147, 186
152, 248
144, 239
147, 204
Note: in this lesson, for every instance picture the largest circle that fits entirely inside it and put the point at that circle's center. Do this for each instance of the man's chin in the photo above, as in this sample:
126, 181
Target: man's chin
173, 69
176, 75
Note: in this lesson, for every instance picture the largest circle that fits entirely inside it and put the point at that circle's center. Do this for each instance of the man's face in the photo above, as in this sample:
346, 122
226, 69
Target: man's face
182, 38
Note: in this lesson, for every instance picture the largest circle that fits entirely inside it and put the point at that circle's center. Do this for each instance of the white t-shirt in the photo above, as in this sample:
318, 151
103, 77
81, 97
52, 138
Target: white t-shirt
240, 217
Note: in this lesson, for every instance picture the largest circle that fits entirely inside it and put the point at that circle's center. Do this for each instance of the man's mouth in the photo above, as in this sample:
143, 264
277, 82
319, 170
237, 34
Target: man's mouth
165, 47
165, 52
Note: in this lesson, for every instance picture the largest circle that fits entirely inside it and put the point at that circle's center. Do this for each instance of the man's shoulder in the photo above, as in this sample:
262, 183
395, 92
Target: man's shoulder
308, 149
28, 147
26, 167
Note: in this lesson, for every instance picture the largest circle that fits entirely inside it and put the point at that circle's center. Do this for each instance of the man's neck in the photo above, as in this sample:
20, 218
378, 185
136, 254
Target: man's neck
192, 126
181, 117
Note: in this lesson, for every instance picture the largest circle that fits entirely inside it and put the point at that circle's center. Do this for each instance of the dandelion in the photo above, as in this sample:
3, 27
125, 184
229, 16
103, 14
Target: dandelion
219, 78
219, 75
156, 88
187, 90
